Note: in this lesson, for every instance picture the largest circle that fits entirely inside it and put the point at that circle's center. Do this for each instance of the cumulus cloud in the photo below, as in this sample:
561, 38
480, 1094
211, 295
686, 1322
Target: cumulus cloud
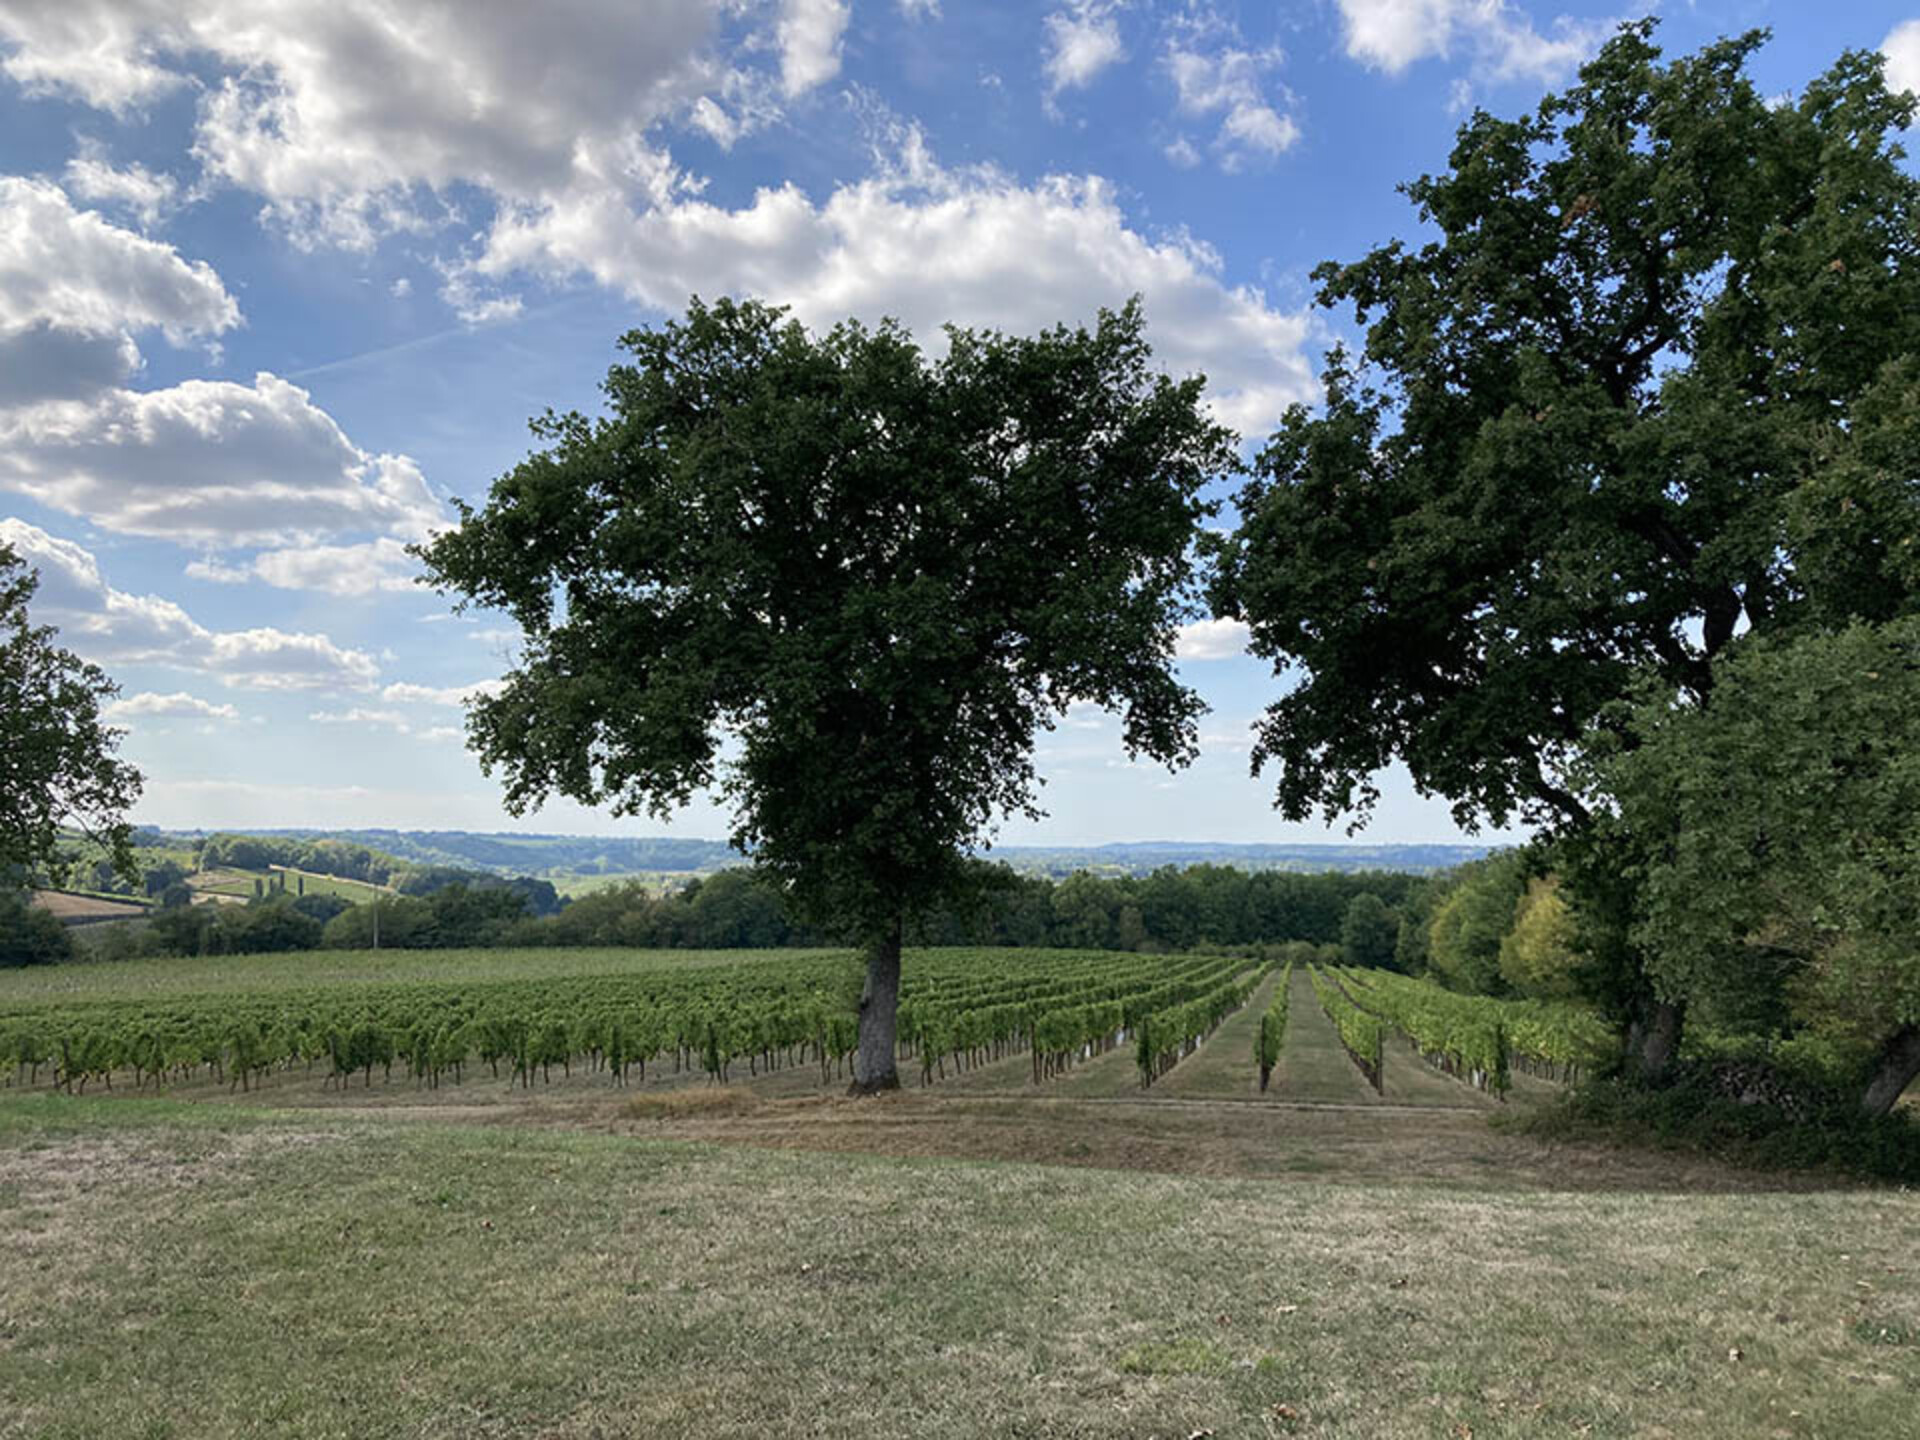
1211, 640
364, 718
810, 34
75, 289
141, 192
455, 696
177, 706
113, 627
1902, 49
1214, 74
928, 245
356, 118
377, 565
1081, 41
1391, 35
210, 462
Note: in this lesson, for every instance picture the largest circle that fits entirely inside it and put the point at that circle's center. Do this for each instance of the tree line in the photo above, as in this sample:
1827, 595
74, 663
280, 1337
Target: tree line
1200, 907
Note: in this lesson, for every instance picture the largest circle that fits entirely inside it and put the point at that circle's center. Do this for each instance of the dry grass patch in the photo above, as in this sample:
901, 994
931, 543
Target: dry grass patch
691, 1104
428, 1280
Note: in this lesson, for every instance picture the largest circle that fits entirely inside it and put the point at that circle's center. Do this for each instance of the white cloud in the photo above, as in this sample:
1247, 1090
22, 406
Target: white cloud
810, 34
111, 626
1215, 76
340, 113
178, 705
75, 289
1902, 49
361, 716
1081, 41
920, 9
144, 194
210, 462
926, 246
1211, 640
406, 692
1182, 153
1391, 35
377, 565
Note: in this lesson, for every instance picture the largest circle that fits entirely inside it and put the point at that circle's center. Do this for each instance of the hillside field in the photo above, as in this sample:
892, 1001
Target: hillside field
977, 1255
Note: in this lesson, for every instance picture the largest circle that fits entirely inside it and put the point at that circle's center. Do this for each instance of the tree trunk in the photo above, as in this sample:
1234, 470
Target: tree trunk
1653, 1041
1895, 1070
873, 1060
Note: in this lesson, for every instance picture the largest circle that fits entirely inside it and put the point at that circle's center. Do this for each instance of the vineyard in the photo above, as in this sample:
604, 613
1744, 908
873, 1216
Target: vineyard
1023, 1018
960, 1009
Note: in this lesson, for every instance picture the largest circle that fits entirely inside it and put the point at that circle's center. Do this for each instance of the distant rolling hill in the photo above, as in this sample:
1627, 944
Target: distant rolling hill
561, 856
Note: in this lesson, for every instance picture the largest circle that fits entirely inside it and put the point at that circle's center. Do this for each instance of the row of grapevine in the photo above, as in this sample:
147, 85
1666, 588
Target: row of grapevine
1361, 1031
1167, 1035
1458, 1034
1272, 1033
1478, 1037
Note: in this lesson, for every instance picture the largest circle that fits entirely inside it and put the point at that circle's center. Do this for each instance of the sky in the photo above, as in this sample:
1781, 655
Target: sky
280, 281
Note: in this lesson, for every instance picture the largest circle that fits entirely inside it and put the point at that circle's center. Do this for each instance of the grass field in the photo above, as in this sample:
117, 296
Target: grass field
979, 1257
241, 883
204, 1271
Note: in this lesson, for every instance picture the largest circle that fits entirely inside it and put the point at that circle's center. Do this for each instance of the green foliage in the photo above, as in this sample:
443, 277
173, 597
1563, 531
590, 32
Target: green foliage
60, 769
1692, 1116
29, 935
1369, 933
1651, 383
964, 1005
879, 574
1361, 1032
1780, 830
1472, 919
1272, 1033
1537, 956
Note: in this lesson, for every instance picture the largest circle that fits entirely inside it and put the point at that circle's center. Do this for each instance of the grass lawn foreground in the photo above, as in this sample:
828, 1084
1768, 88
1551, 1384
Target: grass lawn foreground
194, 1270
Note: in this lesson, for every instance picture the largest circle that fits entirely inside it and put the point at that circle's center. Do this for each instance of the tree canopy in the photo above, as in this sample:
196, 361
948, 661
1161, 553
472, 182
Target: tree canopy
1651, 386
57, 763
1786, 822
1639, 394
846, 584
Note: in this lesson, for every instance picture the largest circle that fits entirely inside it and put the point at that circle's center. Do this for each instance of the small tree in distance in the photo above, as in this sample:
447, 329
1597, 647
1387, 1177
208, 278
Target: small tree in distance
872, 577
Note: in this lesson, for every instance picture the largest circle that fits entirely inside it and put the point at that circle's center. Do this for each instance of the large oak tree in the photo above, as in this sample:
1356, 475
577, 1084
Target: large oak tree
845, 583
1642, 391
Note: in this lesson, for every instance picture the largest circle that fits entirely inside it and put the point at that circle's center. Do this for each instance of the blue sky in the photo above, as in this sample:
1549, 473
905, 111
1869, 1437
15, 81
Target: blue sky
279, 280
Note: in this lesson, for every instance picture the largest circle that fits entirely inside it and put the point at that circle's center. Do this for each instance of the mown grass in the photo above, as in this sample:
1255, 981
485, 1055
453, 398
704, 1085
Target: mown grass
183, 1271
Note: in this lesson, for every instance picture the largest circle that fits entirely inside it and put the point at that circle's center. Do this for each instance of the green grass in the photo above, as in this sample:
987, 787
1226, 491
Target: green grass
203, 1271
242, 882
1313, 1067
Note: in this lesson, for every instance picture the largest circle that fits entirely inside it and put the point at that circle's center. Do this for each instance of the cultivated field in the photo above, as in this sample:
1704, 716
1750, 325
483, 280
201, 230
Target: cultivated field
375, 1254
